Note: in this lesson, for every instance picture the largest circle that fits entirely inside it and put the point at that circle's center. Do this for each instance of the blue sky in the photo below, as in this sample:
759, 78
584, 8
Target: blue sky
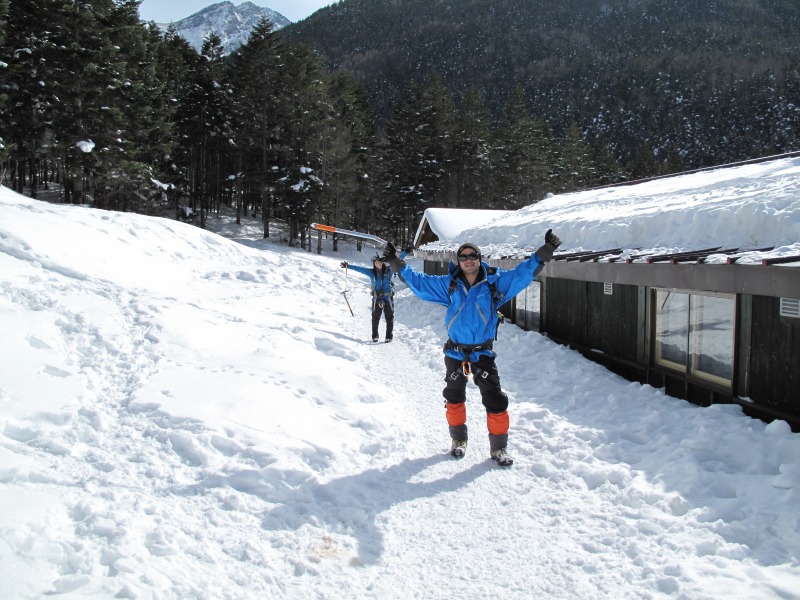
174, 10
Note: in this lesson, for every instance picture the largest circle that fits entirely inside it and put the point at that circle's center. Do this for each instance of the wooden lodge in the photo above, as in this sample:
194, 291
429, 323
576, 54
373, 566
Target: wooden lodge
707, 332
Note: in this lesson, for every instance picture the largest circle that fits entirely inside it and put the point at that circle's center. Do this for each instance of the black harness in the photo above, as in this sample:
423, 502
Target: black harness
381, 297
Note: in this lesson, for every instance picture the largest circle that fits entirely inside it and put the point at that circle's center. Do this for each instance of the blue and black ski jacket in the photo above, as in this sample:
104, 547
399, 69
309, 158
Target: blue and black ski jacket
471, 317
380, 282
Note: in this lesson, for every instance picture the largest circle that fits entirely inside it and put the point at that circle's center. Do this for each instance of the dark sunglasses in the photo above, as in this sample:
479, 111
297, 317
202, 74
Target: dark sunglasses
466, 257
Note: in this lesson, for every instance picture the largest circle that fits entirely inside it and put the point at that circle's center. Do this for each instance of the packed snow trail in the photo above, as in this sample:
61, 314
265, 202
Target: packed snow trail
184, 416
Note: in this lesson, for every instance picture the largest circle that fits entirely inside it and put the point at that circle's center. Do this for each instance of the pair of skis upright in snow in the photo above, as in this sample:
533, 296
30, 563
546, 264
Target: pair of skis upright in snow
380, 242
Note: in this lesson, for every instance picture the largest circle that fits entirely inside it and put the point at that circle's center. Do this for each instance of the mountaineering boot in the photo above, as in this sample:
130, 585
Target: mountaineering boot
458, 448
502, 458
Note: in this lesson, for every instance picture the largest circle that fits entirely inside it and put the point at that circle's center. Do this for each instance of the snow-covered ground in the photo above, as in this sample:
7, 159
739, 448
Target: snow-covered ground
187, 414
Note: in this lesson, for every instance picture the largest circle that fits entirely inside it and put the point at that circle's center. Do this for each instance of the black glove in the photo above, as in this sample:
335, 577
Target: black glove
551, 243
552, 239
390, 257
389, 251
343, 264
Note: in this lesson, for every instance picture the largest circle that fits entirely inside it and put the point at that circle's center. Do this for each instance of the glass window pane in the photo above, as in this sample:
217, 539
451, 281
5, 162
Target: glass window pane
533, 302
672, 321
529, 307
711, 336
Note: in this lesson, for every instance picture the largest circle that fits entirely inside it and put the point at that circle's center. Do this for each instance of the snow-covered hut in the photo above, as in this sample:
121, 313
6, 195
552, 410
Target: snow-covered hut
688, 283
446, 223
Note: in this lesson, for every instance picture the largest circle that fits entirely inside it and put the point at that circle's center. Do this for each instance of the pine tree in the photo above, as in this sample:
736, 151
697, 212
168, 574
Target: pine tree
472, 163
417, 168
4, 149
438, 126
644, 164
85, 64
31, 33
575, 169
526, 155
609, 169
401, 181
302, 111
178, 65
86, 100
140, 114
255, 71
210, 134
349, 145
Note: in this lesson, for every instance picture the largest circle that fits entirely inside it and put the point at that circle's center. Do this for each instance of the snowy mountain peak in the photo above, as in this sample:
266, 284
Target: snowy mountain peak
232, 24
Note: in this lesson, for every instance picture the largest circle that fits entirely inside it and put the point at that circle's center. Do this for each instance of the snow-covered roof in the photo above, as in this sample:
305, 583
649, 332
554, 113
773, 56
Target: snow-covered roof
448, 223
747, 206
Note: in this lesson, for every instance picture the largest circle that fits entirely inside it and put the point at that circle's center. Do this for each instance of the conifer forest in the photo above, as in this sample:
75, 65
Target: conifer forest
370, 111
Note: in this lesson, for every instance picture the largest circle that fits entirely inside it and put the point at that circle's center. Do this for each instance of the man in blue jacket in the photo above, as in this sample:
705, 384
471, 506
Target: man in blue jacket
382, 294
472, 293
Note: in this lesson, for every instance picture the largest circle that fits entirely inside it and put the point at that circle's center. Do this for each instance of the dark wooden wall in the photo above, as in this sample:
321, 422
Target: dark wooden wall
774, 370
613, 320
565, 309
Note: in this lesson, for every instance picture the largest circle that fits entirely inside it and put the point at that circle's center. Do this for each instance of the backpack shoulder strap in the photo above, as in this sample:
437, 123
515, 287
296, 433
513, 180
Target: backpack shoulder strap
497, 297
497, 300
452, 287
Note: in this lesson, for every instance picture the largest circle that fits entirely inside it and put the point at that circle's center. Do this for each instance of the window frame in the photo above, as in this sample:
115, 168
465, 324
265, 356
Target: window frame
693, 318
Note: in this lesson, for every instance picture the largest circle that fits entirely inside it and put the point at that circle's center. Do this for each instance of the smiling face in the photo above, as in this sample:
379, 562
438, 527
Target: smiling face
470, 263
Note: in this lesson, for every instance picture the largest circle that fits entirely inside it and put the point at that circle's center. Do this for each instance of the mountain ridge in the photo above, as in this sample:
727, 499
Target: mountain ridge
651, 76
232, 24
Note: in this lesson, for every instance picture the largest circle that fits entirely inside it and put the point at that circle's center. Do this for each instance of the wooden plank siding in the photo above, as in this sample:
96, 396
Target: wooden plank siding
774, 361
607, 328
613, 320
582, 313
567, 306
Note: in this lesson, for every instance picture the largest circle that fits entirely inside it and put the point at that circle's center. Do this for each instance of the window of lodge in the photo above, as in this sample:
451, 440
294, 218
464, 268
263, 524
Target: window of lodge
529, 310
694, 333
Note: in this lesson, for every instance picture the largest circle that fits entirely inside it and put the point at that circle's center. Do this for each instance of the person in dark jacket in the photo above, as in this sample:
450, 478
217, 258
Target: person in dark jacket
472, 291
380, 276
